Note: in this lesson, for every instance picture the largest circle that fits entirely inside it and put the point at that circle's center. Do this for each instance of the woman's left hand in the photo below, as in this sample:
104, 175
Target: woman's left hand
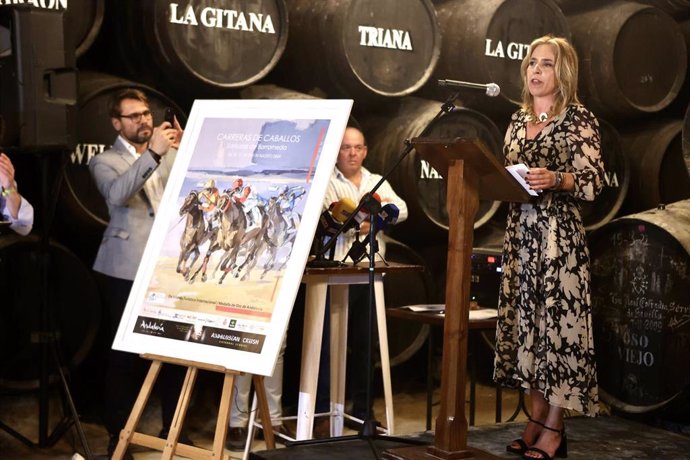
541, 178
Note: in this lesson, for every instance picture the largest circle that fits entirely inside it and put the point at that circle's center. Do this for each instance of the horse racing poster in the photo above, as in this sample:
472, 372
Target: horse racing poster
228, 248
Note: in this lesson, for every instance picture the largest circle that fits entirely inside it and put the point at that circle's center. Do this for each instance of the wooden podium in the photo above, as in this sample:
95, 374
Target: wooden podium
472, 173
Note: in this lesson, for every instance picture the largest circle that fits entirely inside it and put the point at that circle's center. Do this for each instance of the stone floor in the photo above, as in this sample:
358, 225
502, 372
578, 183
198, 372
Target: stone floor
604, 438
20, 412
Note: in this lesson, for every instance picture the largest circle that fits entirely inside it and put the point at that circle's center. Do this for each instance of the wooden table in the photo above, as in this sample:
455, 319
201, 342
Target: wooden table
338, 279
437, 319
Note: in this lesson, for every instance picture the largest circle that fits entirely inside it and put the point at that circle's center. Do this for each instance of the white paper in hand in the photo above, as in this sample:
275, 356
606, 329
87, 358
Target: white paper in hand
519, 171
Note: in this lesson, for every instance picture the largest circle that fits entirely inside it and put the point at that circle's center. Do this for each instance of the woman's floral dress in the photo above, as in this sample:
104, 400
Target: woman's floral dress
544, 330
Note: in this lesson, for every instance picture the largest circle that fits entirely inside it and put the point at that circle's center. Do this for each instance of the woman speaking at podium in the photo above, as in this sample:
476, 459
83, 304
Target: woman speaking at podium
544, 340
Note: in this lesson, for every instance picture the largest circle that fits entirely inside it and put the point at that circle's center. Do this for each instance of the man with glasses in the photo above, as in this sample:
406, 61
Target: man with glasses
131, 176
352, 180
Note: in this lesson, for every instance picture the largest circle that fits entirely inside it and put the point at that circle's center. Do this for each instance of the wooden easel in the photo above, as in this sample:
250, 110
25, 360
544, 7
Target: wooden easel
170, 446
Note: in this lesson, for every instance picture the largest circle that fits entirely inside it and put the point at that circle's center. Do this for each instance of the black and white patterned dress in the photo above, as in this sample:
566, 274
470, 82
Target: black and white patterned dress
544, 330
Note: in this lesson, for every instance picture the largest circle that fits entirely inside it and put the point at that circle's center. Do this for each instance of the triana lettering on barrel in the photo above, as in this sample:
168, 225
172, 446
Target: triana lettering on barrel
45, 4
222, 18
513, 50
378, 37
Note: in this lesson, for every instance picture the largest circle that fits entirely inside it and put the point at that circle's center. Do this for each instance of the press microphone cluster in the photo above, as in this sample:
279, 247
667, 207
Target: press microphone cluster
330, 222
384, 220
492, 89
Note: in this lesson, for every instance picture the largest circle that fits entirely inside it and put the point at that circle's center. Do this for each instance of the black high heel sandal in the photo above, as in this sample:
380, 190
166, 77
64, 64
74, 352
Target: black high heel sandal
521, 442
561, 451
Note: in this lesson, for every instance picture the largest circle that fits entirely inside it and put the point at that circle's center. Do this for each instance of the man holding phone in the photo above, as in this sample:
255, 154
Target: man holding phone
131, 176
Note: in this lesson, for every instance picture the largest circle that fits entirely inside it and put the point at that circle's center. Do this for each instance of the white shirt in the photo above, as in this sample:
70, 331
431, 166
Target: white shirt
341, 187
25, 216
153, 186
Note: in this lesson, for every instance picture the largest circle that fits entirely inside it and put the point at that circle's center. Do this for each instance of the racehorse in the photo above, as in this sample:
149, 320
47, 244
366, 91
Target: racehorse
273, 235
194, 234
233, 225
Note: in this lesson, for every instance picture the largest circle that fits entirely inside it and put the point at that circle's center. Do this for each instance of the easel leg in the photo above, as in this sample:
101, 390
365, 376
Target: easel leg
180, 412
223, 415
137, 410
264, 413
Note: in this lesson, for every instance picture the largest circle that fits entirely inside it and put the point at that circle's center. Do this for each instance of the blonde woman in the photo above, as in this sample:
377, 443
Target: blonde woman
544, 340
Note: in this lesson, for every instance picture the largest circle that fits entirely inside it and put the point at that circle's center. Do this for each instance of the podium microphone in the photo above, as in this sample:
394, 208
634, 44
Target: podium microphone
492, 89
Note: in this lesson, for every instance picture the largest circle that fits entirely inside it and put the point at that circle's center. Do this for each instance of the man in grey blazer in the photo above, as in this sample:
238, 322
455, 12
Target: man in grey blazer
131, 176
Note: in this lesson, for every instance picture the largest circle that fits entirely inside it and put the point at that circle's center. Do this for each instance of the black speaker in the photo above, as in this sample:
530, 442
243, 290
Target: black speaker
38, 81
486, 276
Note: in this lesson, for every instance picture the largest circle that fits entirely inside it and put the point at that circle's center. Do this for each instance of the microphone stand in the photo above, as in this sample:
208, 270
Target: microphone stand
48, 335
368, 429
447, 107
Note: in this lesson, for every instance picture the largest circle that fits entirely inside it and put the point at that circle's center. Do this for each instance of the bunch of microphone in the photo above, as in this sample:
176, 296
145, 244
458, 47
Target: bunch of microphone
336, 216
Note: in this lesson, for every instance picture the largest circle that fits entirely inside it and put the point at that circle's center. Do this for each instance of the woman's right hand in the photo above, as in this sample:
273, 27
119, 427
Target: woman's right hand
540, 178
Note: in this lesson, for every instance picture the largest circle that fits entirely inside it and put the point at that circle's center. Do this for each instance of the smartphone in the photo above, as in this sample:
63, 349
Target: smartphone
170, 116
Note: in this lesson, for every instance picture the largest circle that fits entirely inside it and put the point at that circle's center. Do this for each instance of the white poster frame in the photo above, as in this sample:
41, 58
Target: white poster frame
153, 304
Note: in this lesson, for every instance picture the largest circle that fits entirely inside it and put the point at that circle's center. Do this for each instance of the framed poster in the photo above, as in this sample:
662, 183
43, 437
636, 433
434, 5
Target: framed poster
226, 254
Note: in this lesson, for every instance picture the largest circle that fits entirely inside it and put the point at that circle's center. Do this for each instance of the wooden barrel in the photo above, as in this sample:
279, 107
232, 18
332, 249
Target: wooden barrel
263, 91
208, 44
405, 338
641, 307
73, 308
360, 48
686, 137
421, 186
574, 6
81, 204
633, 58
82, 17
658, 171
484, 41
678, 9
268, 91
616, 180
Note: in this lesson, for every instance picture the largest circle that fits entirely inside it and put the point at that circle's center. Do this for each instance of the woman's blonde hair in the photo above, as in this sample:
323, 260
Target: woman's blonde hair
565, 71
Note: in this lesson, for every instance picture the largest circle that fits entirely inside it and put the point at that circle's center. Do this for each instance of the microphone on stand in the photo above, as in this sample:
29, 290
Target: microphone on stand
330, 222
383, 221
363, 214
492, 89
389, 215
342, 209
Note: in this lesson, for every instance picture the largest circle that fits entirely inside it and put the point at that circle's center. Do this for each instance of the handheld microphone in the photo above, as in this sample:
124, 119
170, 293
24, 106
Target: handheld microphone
327, 225
330, 222
342, 209
371, 201
386, 218
333, 218
492, 89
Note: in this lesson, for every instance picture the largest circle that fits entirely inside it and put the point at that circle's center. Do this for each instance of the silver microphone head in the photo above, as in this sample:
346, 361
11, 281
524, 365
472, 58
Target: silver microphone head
492, 89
